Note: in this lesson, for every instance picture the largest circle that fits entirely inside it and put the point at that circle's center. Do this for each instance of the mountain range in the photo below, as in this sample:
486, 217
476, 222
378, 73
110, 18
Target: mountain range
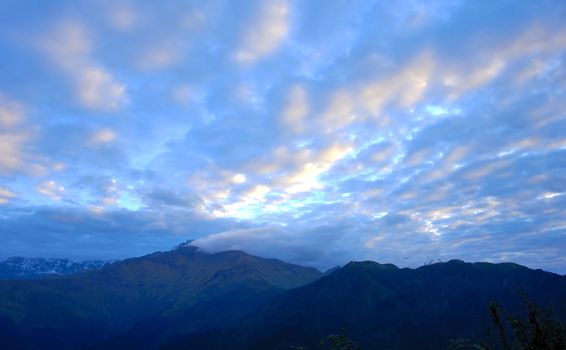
383, 307
190, 299
20, 268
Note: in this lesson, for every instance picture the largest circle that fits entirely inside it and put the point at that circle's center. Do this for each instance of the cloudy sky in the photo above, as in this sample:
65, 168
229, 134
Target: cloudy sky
316, 132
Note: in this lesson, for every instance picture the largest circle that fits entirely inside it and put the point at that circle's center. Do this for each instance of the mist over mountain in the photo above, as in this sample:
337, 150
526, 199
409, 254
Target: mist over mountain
190, 299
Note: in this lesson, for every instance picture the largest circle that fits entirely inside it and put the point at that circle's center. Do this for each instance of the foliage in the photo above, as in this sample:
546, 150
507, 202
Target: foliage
339, 342
537, 332
334, 342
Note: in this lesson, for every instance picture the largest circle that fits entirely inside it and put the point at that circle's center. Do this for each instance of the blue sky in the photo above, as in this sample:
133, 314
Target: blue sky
316, 132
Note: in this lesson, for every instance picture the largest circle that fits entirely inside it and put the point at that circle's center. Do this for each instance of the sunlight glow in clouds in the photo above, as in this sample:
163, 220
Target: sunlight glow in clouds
315, 132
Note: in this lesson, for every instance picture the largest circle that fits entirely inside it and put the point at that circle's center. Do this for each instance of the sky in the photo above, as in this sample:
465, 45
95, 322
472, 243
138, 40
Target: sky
315, 132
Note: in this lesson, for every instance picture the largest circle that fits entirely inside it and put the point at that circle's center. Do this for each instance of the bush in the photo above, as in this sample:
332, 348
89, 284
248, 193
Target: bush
537, 332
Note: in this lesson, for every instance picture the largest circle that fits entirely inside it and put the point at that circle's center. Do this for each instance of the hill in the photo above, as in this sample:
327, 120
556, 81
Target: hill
205, 291
190, 299
384, 307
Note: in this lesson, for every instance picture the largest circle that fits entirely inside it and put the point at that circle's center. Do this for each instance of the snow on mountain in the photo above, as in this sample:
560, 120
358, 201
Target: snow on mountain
32, 268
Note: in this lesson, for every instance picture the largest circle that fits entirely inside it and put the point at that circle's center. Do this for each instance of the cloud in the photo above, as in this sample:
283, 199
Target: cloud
502, 56
324, 246
12, 155
70, 47
270, 242
184, 94
160, 57
103, 136
238, 239
312, 132
341, 111
239, 178
110, 234
266, 32
98, 90
404, 88
293, 116
123, 16
16, 135
6, 195
11, 112
51, 189
306, 177
164, 197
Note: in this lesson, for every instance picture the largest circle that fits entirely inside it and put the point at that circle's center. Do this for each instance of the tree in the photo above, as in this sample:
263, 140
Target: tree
334, 342
537, 332
339, 342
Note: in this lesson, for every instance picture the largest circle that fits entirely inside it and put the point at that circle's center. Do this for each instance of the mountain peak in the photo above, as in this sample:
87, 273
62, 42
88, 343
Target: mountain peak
457, 265
456, 261
369, 265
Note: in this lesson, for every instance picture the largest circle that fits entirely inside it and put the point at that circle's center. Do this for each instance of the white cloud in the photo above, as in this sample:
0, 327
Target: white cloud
103, 136
295, 245
258, 192
69, 46
249, 239
384, 154
238, 179
491, 62
6, 195
340, 111
186, 94
123, 16
67, 43
14, 137
98, 90
160, 57
293, 116
301, 169
51, 189
307, 178
266, 33
11, 112
270, 242
182, 94
405, 88
12, 156
193, 20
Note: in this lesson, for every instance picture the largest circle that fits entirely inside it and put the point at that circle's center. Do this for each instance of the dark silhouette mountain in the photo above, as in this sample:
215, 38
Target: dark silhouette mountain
189, 299
384, 307
18, 268
180, 291
332, 270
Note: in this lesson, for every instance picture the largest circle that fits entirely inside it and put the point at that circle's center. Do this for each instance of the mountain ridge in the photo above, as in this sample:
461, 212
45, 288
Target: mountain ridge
190, 298
22, 268
161, 285
386, 307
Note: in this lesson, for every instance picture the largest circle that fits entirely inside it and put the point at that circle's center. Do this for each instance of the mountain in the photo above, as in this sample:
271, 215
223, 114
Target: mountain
189, 299
383, 307
176, 292
19, 268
